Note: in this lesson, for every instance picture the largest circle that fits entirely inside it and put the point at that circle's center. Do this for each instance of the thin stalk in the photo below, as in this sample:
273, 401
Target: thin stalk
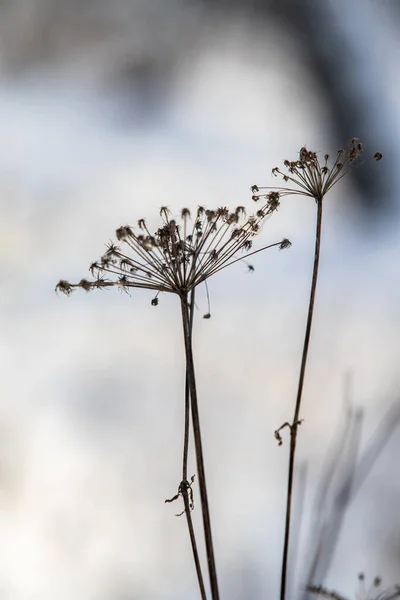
185, 494
199, 449
296, 422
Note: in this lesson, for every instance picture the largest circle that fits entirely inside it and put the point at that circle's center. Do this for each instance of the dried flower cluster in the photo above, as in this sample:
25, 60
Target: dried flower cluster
373, 593
310, 177
177, 257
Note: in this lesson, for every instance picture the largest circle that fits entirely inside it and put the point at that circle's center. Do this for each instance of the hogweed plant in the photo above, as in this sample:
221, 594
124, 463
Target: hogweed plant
306, 176
176, 259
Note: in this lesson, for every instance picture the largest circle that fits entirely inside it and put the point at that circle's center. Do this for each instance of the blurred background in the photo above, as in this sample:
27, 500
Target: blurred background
107, 112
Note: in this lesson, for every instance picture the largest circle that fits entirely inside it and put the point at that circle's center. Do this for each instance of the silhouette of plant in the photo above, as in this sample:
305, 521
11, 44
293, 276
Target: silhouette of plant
176, 258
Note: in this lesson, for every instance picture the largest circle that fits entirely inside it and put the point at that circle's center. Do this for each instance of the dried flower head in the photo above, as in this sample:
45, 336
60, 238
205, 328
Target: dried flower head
372, 593
178, 256
64, 287
310, 176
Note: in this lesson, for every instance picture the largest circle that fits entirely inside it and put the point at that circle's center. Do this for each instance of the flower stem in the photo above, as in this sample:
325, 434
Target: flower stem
296, 422
185, 495
198, 447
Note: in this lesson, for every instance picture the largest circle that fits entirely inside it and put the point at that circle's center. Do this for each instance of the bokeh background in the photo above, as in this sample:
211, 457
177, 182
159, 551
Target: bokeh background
108, 111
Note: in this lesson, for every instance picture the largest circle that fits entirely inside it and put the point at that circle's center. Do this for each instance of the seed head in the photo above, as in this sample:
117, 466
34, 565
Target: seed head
309, 176
178, 256
373, 593
64, 287
285, 243
85, 285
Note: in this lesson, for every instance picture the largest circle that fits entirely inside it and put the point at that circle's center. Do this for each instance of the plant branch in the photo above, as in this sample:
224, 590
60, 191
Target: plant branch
296, 421
198, 447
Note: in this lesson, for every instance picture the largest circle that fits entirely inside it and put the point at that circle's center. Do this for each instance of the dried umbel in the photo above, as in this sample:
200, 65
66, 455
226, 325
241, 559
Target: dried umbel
311, 177
179, 255
373, 592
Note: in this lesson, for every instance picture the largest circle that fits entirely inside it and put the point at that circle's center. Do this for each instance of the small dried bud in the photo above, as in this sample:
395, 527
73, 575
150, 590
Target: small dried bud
255, 188
304, 154
377, 581
361, 576
250, 268
100, 283
214, 254
94, 267
154, 301
354, 153
164, 212
355, 142
222, 211
112, 250
285, 243
247, 245
64, 287
378, 156
122, 284
105, 262
185, 213
255, 198
85, 285
273, 201
125, 264
232, 218
240, 210
235, 232
148, 243
207, 316
123, 232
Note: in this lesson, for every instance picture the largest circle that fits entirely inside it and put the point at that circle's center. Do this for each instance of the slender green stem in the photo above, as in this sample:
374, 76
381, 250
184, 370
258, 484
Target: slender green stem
185, 494
296, 422
199, 450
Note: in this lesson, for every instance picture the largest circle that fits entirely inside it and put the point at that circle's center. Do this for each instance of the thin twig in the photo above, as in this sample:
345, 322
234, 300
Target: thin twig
198, 447
296, 422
